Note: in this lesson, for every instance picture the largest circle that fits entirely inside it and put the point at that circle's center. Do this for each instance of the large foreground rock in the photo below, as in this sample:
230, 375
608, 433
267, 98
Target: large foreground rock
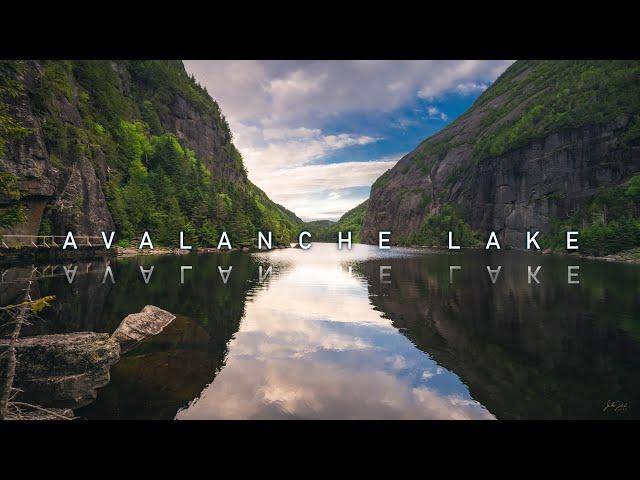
138, 326
64, 354
63, 370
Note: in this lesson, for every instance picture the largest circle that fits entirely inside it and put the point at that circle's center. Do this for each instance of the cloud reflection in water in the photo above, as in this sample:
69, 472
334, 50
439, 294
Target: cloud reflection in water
311, 346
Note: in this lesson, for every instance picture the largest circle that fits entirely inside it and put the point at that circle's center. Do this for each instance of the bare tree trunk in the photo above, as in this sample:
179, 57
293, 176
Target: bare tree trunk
8, 356
7, 373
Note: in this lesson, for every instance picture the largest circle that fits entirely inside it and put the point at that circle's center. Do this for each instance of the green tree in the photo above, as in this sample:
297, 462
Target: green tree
13, 213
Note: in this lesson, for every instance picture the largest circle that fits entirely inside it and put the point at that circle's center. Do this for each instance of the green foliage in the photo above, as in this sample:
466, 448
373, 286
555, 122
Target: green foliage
167, 189
133, 143
41, 303
608, 224
633, 189
151, 118
540, 97
13, 213
54, 81
45, 224
160, 80
10, 88
52, 94
323, 231
632, 135
435, 230
558, 95
154, 183
33, 306
382, 180
106, 102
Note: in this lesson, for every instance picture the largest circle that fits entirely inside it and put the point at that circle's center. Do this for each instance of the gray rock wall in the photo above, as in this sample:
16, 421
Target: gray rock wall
524, 189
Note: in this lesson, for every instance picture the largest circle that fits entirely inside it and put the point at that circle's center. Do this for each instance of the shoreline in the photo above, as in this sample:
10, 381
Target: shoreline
26, 254
631, 256
127, 252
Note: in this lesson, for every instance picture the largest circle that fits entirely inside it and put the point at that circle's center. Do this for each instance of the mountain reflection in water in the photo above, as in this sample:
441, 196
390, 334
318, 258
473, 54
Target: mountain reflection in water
325, 336
311, 346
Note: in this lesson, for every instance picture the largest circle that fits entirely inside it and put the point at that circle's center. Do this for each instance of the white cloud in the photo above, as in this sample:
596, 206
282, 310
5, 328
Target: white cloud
283, 163
325, 190
297, 355
268, 151
278, 112
290, 133
300, 93
469, 88
311, 178
434, 112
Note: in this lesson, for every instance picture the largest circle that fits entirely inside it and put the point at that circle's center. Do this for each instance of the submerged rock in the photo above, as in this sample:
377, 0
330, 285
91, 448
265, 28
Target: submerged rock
72, 391
138, 326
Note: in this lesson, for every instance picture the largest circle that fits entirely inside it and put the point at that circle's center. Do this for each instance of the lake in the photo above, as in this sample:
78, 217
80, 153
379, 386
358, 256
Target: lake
358, 334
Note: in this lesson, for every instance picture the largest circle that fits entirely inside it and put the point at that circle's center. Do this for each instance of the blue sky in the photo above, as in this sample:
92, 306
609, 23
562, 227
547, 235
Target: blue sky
315, 135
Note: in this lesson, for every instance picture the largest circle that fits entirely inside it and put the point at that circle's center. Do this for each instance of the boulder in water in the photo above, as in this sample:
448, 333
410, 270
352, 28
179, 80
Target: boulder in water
138, 326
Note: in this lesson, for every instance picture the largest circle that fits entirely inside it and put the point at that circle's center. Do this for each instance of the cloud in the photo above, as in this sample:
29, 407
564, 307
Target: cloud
283, 115
470, 88
304, 93
434, 112
290, 133
267, 150
453, 73
310, 178
301, 356
325, 191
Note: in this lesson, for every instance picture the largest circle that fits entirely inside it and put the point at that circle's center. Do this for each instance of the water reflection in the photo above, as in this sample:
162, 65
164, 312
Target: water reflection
360, 333
311, 346
550, 350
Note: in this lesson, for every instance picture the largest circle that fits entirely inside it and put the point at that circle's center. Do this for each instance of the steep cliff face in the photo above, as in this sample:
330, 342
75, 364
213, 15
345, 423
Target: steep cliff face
130, 145
536, 147
76, 191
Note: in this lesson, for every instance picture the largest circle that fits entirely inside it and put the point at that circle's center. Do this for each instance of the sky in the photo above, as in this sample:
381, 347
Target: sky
315, 135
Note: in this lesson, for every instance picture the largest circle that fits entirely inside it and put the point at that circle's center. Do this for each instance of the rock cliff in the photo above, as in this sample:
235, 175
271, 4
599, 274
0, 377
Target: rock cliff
537, 146
88, 139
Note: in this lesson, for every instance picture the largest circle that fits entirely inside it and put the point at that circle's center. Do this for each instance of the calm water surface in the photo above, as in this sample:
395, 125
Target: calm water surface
333, 334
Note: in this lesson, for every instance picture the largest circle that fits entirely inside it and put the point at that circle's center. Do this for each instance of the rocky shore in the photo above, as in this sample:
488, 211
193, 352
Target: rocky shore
135, 252
627, 256
55, 374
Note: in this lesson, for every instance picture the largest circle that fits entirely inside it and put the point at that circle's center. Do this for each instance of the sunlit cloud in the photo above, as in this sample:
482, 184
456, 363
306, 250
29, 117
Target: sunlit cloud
268, 151
326, 190
283, 116
469, 88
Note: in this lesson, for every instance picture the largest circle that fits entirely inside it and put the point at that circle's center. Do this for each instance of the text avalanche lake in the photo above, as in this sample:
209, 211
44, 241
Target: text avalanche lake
356, 334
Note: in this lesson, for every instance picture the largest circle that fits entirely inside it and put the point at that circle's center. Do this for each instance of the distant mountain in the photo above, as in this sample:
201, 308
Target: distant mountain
327, 231
319, 224
132, 145
550, 146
